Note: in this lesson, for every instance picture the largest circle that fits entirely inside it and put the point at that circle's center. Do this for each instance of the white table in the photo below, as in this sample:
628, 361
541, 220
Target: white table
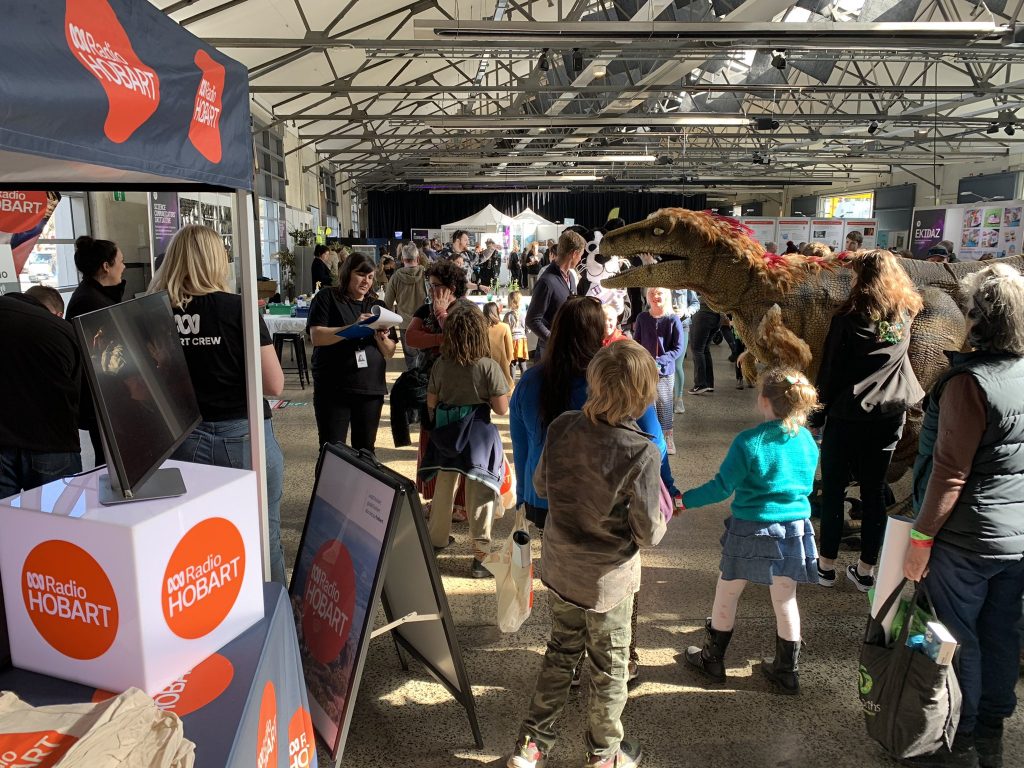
281, 324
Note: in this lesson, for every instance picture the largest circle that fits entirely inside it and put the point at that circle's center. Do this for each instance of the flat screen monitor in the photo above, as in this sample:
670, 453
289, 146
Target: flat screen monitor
145, 404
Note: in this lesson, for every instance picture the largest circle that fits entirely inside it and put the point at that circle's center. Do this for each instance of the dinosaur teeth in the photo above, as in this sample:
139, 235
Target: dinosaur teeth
648, 258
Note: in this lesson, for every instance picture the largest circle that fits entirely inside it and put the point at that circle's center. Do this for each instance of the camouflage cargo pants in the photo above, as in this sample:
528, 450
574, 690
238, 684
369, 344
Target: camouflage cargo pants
605, 637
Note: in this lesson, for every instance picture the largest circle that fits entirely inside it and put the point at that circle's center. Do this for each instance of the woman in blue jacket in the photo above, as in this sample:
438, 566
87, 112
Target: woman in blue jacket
559, 384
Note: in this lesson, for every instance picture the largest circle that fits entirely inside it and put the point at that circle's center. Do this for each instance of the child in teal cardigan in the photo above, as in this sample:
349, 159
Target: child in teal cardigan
769, 538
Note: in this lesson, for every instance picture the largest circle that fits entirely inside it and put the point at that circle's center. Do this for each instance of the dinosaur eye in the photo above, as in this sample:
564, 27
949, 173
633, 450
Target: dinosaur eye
659, 231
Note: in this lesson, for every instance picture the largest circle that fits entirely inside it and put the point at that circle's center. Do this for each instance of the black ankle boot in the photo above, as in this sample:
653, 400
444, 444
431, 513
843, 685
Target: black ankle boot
962, 755
988, 740
784, 669
711, 658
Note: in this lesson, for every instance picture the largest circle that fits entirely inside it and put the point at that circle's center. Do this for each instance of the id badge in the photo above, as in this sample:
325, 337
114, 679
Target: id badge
361, 358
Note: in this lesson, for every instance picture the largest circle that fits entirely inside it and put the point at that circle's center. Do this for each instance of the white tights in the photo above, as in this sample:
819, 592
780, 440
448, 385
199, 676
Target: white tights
783, 592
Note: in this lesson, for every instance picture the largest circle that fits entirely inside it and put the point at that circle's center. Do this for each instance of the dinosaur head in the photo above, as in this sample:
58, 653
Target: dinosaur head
677, 248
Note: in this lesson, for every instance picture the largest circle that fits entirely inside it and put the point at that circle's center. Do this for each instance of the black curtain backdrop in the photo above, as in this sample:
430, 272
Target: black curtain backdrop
390, 212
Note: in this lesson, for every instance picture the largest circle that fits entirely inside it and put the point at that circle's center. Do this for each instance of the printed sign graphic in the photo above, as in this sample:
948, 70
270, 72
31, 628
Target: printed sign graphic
204, 132
329, 602
21, 211
266, 733
100, 43
39, 749
203, 578
69, 599
193, 690
301, 741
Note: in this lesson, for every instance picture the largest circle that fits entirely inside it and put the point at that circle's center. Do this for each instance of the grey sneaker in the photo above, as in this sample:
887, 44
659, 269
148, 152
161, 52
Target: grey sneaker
629, 755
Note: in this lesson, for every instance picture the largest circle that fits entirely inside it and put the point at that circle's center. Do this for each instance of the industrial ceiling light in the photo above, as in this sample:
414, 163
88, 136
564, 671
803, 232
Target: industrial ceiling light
765, 124
543, 62
600, 70
1009, 129
873, 127
921, 133
779, 58
994, 128
577, 60
608, 179
663, 160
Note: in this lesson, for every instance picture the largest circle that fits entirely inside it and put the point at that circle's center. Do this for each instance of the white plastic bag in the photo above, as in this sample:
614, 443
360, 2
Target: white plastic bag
127, 731
512, 567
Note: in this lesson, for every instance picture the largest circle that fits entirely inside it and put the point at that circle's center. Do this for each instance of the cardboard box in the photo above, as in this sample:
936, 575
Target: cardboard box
133, 594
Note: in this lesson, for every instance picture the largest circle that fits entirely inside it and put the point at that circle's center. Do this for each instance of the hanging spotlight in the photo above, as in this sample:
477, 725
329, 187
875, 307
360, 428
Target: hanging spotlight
1009, 129
873, 127
600, 70
543, 62
994, 128
663, 160
577, 60
779, 58
921, 133
765, 124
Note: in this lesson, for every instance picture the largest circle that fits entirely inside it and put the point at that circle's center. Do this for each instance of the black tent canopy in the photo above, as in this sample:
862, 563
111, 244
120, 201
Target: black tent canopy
113, 94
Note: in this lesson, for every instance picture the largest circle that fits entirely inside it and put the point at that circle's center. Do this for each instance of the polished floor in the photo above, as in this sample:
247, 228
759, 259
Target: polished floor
407, 719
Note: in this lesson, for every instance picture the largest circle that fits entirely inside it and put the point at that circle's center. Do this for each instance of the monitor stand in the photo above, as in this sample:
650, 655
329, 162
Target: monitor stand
163, 484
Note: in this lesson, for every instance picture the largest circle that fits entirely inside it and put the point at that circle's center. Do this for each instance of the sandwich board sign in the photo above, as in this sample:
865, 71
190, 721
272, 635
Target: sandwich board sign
365, 541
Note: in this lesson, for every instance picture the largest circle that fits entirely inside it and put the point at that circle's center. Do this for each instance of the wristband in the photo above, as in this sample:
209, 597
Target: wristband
915, 534
922, 544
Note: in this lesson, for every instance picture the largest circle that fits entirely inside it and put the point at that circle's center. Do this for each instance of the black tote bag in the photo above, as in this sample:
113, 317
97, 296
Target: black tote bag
911, 704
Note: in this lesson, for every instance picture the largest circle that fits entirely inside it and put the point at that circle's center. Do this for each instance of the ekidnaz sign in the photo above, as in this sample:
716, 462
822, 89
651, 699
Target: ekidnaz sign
126, 88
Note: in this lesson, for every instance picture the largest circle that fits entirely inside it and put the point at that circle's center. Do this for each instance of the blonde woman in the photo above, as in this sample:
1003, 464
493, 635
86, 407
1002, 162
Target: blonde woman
465, 386
660, 332
866, 386
194, 273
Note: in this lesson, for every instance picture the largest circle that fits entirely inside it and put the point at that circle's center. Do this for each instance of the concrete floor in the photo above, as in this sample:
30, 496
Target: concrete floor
406, 719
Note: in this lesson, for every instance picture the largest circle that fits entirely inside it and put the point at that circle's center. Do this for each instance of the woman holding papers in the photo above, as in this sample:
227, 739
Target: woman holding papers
349, 363
967, 543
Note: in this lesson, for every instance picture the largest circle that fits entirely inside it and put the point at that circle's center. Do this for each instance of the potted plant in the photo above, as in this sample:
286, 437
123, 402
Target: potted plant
303, 237
286, 259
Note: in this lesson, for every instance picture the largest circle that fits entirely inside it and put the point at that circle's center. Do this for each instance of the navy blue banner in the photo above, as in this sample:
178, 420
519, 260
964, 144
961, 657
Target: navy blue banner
116, 83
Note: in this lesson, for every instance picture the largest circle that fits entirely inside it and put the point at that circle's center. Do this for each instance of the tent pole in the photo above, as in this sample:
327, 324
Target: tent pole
245, 253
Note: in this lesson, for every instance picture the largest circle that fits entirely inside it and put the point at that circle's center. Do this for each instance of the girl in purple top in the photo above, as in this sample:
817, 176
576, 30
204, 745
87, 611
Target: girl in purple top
660, 332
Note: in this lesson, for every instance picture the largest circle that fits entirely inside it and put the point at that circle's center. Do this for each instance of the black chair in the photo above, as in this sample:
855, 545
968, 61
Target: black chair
298, 354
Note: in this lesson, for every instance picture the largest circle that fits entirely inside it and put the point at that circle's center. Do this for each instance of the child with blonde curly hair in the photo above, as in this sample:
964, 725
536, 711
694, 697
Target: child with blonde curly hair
768, 539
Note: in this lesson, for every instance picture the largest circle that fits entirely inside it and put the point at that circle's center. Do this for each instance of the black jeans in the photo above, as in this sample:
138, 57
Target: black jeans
702, 328
860, 450
336, 412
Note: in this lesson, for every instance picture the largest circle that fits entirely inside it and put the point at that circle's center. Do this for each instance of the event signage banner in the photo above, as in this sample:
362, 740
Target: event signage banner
868, 229
23, 216
763, 229
127, 88
794, 231
165, 220
991, 232
829, 232
334, 588
929, 230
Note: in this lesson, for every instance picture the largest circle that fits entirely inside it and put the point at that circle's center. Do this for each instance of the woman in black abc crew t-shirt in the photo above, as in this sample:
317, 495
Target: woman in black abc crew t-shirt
209, 318
348, 374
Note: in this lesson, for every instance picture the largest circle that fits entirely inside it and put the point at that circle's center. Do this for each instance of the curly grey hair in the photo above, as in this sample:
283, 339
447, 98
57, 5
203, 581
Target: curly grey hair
995, 309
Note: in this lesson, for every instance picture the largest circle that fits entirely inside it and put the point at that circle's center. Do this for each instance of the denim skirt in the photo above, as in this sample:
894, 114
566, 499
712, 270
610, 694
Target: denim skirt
759, 551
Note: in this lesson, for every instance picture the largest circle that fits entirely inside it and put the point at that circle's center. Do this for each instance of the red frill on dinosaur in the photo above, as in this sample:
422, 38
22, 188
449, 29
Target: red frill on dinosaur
782, 305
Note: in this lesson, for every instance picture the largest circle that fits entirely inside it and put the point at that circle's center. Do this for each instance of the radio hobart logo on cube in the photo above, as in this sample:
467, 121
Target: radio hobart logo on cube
203, 578
69, 599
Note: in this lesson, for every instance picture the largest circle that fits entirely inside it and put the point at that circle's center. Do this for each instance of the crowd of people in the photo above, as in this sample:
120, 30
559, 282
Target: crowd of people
591, 414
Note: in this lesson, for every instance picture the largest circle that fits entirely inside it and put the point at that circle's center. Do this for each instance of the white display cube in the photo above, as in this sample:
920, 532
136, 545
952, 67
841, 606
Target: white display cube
133, 594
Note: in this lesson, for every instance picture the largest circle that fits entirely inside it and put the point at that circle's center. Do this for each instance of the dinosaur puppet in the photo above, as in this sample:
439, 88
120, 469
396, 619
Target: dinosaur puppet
782, 305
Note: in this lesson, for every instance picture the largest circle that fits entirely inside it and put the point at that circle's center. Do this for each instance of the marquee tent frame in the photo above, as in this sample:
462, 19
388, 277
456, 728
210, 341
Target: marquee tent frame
143, 105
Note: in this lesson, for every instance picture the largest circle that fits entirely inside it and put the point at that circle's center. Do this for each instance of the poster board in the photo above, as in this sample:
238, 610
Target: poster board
763, 229
829, 232
929, 229
364, 541
867, 227
990, 231
793, 230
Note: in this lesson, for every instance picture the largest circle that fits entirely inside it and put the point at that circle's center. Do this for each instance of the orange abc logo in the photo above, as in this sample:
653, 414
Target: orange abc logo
203, 578
329, 602
40, 748
69, 599
266, 733
301, 741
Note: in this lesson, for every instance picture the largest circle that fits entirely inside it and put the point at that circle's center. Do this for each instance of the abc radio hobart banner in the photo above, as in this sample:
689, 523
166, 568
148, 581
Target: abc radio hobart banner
118, 84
